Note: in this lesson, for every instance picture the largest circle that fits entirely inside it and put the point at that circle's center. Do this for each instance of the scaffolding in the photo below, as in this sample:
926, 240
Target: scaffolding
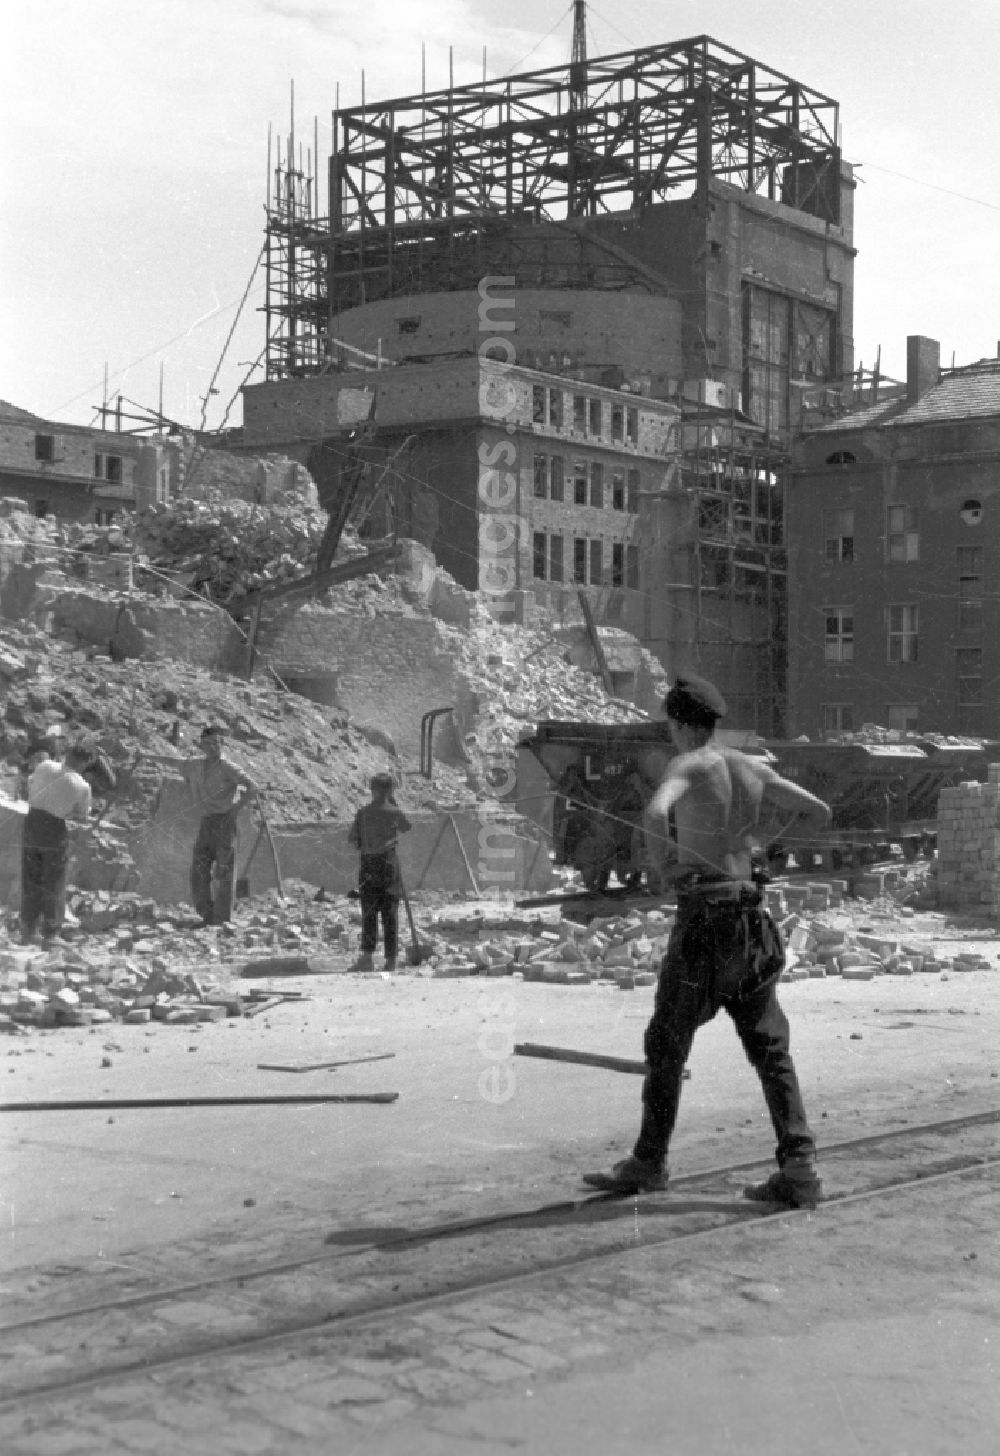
736, 562
433, 191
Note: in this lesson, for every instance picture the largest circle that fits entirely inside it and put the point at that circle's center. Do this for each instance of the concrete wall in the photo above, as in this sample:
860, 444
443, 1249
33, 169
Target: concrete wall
633, 331
203, 636
505, 856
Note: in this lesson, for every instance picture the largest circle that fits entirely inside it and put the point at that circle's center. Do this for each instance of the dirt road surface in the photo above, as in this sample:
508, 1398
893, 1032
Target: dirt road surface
291, 1278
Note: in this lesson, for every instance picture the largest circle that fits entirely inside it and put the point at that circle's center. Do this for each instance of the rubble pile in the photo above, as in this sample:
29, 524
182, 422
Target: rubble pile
626, 950
125, 959
310, 763
225, 549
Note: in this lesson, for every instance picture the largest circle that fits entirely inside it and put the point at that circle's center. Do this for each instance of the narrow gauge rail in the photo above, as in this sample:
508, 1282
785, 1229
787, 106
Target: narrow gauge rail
334, 1293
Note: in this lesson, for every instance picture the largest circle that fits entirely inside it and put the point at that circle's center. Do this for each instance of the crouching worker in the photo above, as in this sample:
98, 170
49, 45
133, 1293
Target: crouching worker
374, 835
724, 951
56, 793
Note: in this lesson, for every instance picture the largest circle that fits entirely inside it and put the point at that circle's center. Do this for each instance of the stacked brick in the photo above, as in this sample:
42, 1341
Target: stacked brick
968, 861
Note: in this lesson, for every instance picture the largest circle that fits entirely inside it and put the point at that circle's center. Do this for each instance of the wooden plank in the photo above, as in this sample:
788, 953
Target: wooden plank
586, 1059
320, 1066
111, 1104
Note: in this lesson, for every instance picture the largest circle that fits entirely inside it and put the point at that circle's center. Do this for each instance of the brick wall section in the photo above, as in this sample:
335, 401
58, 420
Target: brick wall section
969, 846
390, 670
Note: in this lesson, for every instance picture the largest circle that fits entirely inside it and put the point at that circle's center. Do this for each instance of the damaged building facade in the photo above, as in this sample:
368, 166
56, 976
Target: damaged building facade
892, 520
80, 473
671, 229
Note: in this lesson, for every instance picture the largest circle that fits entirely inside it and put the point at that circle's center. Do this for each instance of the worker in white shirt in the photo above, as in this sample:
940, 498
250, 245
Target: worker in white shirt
219, 790
57, 792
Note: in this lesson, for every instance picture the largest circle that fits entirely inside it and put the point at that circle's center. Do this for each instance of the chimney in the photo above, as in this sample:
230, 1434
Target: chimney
923, 365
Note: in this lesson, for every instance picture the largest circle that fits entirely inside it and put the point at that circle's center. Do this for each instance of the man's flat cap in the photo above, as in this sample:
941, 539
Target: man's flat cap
694, 702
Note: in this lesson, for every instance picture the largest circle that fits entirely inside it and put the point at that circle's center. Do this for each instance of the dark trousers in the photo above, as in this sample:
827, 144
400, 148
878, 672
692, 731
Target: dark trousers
214, 849
721, 955
373, 905
44, 863
378, 888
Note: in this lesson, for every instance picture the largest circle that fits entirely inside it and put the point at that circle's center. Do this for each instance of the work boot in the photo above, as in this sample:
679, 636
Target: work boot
795, 1186
631, 1175
364, 963
390, 963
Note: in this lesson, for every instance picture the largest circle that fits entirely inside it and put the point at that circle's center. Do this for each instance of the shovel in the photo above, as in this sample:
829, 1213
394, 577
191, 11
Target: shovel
242, 890
418, 951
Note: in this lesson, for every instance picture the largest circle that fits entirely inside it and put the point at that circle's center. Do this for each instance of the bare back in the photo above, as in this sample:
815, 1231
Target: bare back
723, 802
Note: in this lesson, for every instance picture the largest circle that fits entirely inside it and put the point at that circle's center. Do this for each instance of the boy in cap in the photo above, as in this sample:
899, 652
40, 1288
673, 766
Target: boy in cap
374, 835
724, 950
56, 793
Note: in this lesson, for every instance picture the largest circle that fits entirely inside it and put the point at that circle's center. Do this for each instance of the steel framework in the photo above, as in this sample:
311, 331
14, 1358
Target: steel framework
428, 190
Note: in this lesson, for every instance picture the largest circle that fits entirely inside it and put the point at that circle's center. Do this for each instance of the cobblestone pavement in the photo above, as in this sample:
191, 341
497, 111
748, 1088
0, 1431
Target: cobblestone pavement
840, 1315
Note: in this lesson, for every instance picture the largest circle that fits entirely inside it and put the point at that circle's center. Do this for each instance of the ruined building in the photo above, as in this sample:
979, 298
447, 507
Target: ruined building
586, 305
893, 514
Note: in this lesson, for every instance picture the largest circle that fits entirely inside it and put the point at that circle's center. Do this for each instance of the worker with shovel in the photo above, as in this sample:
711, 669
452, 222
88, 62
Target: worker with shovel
374, 835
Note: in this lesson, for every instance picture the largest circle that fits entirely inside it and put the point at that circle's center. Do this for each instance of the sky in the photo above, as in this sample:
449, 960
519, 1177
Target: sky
133, 164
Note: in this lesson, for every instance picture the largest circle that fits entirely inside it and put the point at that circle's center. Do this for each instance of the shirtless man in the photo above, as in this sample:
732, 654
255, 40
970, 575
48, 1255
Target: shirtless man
724, 950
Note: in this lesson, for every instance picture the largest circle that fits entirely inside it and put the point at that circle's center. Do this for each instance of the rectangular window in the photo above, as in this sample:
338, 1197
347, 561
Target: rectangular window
633, 490
902, 539
556, 478
901, 633
538, 414
98, 466
632, 567
632, 426
838, 536
113, 468
579, 414
555, 558
45, 448
104, 518
579, 482
617, 422
41, 508
618, 490
539, 554
541, 476
970, 588
597, 484
579, 560
617, 564
836, 718
839, 634
595, 418
555, 408
969, 662
596, 563
902, 717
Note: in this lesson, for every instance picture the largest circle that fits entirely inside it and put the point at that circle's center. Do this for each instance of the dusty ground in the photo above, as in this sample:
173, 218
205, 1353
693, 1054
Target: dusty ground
862, 1328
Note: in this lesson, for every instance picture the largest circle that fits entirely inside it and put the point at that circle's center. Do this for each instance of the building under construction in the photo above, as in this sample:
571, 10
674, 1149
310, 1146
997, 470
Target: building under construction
668, 229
